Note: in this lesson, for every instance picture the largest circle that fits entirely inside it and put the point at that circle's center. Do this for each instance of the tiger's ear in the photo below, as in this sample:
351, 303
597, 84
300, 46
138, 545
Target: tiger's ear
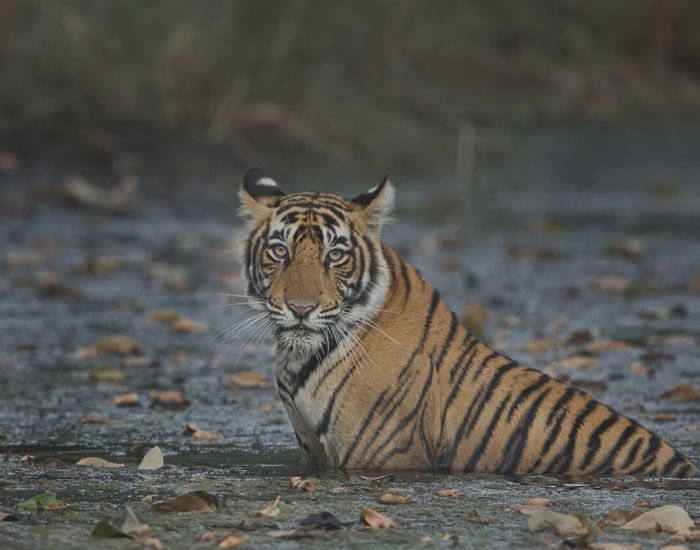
376, 205
258, 193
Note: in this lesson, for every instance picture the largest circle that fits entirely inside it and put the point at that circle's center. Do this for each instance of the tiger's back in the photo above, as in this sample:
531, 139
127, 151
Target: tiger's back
393, 381
434, 397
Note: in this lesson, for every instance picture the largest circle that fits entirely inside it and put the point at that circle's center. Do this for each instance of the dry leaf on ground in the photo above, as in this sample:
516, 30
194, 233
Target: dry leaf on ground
130, 399
195, 501
248, 380
613, 546
106, 373
574, 362
271, 511
8, 516
620, 517
475, 517
374, 520
152, 460
185, 324
669, 518
201, 435
168, 399
132, 525
562, 524
149, 542
373, 479
94, 418
97, 462
303, 485
233, 540
79, 191
682, 393
390, 498
612, 284
450, 493
627, 247
115, 344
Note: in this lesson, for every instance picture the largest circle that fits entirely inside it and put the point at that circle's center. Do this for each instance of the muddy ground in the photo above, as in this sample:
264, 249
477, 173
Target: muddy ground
566, 241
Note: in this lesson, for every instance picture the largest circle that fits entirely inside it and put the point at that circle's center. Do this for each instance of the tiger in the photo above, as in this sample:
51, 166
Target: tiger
377, 373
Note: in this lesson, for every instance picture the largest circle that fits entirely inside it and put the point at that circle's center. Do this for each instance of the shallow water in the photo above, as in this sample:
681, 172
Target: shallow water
590, 186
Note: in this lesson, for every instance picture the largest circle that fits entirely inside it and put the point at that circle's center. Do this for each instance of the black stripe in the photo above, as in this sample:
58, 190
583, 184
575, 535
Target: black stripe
594, 440
363, 428
513, 453
488, 433
671, 464
559, 410
542, 380
632, 454
565, 458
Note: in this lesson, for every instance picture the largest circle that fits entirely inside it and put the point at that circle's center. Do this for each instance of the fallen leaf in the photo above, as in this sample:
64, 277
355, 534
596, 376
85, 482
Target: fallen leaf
686, 535
173, 277
53, 462
373, 479
669, 518
50, 284
642, 503
627, 247
475, 517
612, 285
321, 520
7, 516
27, 460
640, 368
195, 501
9, 163
233, 540
132, 525
162, 316
98, 266
115, 344
106, 373
474, 318
620, 517
248, 380
105, 530
449, 493
303, 485
271, 511
42, 502
130, 399
682, 393
81, 192
201, 435
574, 362
374, 520
184, 324
389, 498
692, 428
541, 501
152, 460
205, 536
97, 462
150, 542
562, 524
94, 418
168, 399
614, 546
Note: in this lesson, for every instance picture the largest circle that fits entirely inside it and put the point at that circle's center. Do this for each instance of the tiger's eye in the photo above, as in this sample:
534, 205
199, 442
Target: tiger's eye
336, 255
279, 251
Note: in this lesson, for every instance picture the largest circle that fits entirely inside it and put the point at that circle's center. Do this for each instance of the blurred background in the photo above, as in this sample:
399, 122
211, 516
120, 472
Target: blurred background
317, 87
546, 156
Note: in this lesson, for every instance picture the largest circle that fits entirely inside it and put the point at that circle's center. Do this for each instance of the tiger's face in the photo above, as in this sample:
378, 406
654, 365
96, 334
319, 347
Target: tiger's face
313, 262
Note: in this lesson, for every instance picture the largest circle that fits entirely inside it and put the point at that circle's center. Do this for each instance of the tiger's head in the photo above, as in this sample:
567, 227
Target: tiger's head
313, 262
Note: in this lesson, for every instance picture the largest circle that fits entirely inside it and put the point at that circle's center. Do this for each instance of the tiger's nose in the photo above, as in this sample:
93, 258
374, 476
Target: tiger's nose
301, 311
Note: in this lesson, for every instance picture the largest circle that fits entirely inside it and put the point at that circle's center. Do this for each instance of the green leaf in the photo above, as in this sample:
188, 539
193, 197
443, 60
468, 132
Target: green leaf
44, 501
105, 530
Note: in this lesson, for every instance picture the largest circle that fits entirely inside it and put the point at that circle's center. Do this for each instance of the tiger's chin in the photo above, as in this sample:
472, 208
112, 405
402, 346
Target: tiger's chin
300, 342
